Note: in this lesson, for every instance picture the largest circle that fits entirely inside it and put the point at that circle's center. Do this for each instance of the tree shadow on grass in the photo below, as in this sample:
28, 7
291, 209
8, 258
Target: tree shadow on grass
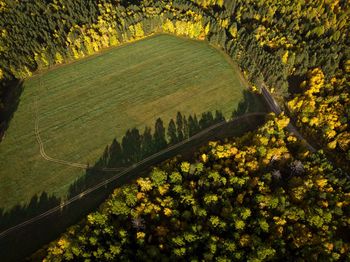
134, 146
38, 204
10, 92
137, 145
250, 103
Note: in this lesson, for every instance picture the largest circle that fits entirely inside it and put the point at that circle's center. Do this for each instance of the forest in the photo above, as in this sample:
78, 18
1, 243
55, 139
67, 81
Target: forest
300, 49
258, 197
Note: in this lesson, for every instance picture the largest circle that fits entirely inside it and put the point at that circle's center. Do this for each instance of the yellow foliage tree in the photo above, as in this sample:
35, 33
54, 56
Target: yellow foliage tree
168, 26
58, 58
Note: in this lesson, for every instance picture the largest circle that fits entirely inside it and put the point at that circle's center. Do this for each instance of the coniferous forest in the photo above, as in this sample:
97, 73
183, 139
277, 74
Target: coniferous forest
259, 197
300, 49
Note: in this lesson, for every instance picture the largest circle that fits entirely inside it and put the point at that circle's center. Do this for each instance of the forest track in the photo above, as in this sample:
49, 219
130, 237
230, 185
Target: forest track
272, 103
277, 110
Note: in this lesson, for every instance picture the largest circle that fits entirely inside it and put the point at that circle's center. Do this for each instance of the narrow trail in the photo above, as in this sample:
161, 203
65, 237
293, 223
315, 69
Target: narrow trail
274, 106
64, 162
277, 110
61, 161
48, 158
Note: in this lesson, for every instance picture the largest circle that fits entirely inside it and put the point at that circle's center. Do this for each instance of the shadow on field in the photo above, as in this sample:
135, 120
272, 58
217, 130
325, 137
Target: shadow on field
251, 103
10, 92
134, 146
137, 145
37, 205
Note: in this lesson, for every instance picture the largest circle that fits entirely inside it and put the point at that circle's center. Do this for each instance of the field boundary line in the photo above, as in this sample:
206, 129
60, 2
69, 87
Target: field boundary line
124, 172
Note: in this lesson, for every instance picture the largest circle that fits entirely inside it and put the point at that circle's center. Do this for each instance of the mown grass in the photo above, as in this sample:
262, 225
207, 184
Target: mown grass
84, 105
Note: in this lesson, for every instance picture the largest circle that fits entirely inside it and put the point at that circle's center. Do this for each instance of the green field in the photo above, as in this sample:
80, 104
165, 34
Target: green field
82, 106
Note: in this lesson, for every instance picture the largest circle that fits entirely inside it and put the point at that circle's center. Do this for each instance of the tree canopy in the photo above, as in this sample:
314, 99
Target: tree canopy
254, 198
279, 44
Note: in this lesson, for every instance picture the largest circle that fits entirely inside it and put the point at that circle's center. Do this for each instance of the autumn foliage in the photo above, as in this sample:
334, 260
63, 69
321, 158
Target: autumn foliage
322, 111
254, 198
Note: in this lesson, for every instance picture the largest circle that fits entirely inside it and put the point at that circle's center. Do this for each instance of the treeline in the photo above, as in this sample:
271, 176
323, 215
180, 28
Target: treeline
256, 198
274, 43
40, 34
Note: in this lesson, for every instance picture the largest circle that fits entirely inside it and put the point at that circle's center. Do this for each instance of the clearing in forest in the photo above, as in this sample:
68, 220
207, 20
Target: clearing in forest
82, 106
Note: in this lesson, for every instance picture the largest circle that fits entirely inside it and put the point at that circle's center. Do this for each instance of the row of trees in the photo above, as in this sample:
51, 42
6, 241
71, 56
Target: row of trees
255, 198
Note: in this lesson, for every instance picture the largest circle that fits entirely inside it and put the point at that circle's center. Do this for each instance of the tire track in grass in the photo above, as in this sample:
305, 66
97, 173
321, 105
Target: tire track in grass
61, 161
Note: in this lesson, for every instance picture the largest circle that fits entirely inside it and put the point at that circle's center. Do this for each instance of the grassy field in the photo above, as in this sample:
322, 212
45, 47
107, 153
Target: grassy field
82, 106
